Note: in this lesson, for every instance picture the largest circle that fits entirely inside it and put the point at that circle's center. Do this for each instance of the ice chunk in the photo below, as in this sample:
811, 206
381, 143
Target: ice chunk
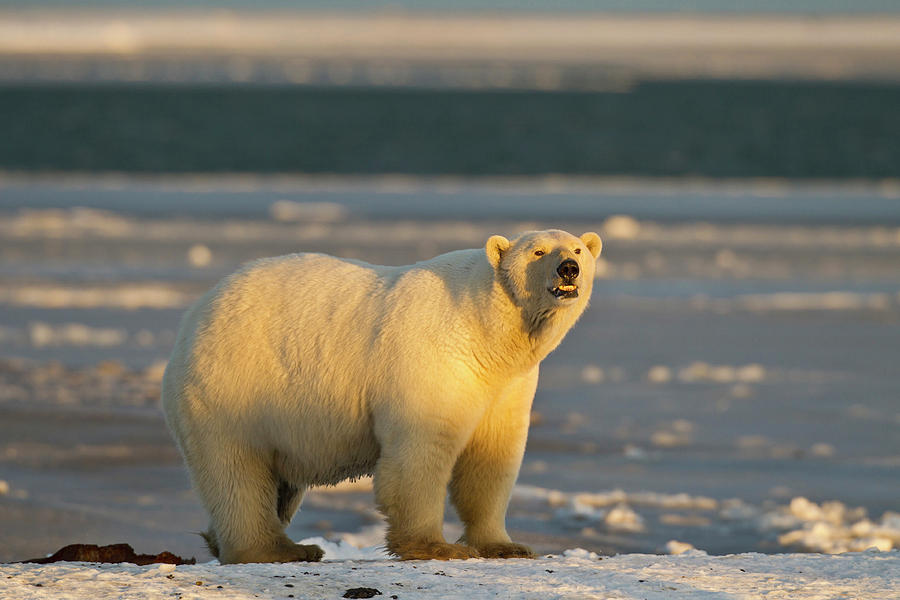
659, 374
623, 518
622, 227
199, 255
676, 547
580, 553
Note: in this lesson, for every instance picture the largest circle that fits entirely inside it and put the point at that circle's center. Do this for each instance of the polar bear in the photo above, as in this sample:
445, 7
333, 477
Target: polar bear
307, 369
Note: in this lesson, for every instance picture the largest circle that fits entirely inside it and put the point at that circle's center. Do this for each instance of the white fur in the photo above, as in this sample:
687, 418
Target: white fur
307, 369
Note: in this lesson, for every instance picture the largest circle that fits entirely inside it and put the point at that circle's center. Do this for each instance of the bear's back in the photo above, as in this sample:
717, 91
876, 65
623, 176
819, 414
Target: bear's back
292, 307
335, 324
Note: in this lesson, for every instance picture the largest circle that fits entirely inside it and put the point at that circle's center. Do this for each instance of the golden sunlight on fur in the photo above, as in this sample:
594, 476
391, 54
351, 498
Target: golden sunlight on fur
307, 370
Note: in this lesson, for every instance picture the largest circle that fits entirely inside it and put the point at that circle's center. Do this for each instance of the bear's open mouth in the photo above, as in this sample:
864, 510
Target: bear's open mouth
566, 290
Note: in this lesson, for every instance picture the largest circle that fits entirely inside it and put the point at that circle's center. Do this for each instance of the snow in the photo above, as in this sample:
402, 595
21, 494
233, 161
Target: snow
833, 527
622, 518
130, 297
75, 334
701, 371
300, 212
830, 527
199, 256
576, 574
345, 549
612, 498
676, 547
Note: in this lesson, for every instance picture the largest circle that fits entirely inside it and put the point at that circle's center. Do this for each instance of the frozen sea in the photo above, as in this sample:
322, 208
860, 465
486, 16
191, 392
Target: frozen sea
734, 385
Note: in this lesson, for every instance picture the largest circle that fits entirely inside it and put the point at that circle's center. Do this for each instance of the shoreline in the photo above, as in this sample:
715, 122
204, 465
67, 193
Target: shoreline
391, 47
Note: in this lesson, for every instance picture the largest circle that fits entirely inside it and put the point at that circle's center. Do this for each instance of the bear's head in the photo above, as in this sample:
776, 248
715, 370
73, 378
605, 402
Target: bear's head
545, 270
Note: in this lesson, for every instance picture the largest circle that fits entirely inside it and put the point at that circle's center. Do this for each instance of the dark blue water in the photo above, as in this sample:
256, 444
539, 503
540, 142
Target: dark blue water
673, 129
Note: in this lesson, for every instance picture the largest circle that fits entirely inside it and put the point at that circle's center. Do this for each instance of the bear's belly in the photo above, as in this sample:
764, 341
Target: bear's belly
333, 455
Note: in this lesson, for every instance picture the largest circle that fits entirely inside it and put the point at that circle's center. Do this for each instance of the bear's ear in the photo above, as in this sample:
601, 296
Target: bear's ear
592, 241
495, 247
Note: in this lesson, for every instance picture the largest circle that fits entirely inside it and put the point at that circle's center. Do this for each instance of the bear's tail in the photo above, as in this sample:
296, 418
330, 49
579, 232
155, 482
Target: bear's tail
212, 543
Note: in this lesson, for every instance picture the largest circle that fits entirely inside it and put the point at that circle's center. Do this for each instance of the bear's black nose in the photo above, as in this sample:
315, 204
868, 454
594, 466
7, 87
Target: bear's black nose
568, 269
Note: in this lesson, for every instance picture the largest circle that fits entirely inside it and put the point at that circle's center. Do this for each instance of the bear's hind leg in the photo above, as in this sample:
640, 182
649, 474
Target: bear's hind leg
245, 505
289, 499
212, 544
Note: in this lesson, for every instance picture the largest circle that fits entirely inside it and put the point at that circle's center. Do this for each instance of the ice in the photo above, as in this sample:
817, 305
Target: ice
833, 512
370, 537
622, 227
753, 373
74, 334
109, 383
677, 433
676, 547
831, 527
592, 374
345, 550
146, 295
659, 374
837, 300
633, 452
77, 221
669, 439
702, 371
580, 509
289, 211
613, 497
822, 450
580, 553
807, 301
824, 537
199, 255
735, 509
623, 518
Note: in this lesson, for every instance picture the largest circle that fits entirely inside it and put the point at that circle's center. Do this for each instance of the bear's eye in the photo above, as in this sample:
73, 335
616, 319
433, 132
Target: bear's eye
538, 252
577, 250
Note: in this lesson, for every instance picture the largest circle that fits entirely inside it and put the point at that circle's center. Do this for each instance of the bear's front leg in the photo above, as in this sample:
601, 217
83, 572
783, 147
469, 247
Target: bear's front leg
486, 471
411, 480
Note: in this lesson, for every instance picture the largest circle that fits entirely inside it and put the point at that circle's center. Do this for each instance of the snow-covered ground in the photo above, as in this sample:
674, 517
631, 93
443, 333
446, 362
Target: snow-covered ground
575, 574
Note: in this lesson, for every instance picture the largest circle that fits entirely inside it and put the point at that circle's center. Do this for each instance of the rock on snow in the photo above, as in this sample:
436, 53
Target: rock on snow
577, 574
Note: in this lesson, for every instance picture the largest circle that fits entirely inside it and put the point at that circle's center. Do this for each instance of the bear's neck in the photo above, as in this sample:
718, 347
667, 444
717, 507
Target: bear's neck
517, 339
547, 328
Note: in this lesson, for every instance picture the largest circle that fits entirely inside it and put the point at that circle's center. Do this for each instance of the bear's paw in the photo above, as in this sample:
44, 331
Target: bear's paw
506, 550
306, 553
435, 551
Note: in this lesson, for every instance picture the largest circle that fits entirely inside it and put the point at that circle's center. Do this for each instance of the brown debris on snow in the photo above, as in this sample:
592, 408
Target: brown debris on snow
114, 553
